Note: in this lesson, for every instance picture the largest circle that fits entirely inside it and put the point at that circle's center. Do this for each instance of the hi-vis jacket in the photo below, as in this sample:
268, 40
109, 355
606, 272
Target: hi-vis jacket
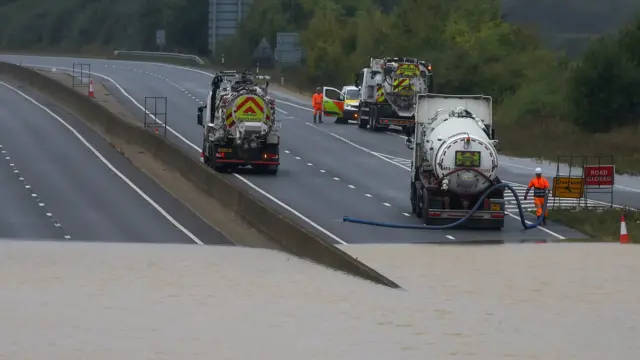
316, 101
540, 186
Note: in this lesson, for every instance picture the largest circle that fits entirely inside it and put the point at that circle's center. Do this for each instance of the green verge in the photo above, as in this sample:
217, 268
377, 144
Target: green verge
601, 225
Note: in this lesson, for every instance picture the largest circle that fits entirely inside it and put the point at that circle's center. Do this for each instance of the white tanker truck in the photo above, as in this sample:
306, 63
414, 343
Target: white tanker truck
240, 126
455, 161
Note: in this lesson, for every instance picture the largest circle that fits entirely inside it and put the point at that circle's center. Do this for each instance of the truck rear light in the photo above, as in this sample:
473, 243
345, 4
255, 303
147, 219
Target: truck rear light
435, 214
486, 203
497, 215
220, 154
270, 156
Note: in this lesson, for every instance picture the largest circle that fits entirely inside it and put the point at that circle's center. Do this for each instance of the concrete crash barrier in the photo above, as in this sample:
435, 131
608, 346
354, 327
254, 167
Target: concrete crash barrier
292, 237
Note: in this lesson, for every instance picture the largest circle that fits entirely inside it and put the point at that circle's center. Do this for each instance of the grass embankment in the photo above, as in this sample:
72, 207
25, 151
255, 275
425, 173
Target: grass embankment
549, 138
600, 225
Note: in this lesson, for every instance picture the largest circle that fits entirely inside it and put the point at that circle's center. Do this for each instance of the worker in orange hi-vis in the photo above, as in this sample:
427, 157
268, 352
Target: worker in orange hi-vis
316, 101
540, 187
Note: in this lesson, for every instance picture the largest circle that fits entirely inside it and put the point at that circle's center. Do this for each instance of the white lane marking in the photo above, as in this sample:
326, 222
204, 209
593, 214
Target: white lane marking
253, 186
409, 169
351, 186
406, 214
386, 204
404, 137
282, 111
398, 135
298, 158
310, 164
322, 171
368, 195
336, 179
450, 237
211, 75
40, 203
109, 165
287, 103
337, 239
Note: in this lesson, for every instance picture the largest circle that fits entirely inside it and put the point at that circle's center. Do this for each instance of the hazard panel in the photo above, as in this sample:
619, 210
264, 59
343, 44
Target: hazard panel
246, 108
332, 102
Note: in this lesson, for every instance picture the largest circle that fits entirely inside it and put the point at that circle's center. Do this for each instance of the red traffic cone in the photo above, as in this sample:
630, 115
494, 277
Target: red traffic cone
156, 130
624, 237
91, 94
202, 156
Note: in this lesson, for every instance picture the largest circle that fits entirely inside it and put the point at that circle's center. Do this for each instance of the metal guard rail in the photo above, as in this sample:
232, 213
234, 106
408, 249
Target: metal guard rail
159, 54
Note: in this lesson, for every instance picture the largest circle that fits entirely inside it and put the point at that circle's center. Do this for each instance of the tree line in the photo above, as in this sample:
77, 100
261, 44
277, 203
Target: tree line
495, 47
102, 25
472, 49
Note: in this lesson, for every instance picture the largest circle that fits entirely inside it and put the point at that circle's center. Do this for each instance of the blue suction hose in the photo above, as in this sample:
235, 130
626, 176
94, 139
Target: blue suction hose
461, 221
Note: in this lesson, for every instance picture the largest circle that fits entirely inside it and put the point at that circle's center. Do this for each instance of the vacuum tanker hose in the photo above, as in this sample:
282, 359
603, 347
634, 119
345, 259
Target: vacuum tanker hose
466, 217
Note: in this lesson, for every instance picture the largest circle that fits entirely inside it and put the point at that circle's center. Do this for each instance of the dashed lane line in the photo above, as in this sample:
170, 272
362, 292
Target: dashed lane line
195, 147
108, 164
367, 195
295, 105
284, 112
33, 194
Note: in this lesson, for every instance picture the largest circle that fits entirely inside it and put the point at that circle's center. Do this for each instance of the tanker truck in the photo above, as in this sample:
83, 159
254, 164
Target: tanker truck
240, 125
455, 161
389, 89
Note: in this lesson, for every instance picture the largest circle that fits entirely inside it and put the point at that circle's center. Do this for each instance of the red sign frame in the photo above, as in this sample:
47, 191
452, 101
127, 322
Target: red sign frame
599, 175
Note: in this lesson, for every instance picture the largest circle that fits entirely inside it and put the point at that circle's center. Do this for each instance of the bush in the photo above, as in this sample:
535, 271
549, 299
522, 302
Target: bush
471, 48
604, 88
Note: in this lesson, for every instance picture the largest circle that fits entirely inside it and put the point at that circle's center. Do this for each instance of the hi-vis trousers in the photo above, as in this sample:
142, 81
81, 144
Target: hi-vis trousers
539, 202
317, 112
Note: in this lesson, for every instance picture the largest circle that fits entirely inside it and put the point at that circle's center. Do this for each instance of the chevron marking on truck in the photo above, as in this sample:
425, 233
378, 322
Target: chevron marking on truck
380, 95
247, 108
400, 84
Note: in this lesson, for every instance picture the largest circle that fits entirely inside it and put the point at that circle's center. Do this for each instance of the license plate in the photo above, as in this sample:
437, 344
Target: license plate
224, 150
495, 207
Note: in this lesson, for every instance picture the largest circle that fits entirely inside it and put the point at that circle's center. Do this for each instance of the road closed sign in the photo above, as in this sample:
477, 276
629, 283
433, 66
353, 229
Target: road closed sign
599, 175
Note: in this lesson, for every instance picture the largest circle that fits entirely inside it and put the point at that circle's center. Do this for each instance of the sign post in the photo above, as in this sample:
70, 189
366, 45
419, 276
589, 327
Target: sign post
161, 38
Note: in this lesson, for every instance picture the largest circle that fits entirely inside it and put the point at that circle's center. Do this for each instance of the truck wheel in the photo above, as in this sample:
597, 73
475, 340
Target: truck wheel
373, 113
425, 208
221, 168
362, 123
412, 198
271, 169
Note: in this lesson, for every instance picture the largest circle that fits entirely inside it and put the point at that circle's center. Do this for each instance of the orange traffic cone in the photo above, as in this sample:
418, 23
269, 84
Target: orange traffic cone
91, 94
624, 237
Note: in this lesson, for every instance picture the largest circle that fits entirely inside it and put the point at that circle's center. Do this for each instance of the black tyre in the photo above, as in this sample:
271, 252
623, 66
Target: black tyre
418, 201
412, 198
425, 208
362, 123
271, 170
220, 168
373, 113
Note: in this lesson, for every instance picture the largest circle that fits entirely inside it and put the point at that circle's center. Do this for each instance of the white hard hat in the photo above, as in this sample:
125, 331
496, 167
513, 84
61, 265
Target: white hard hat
538, 171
